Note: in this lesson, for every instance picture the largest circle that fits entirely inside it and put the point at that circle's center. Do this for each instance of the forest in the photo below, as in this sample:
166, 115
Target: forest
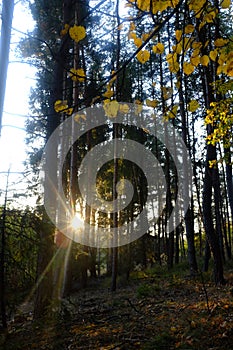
129, 155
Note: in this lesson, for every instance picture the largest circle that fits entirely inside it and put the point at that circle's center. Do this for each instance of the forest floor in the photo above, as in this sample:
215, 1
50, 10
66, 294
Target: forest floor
155, 310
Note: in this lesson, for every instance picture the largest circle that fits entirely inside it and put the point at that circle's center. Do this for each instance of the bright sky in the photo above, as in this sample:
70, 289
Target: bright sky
20, 79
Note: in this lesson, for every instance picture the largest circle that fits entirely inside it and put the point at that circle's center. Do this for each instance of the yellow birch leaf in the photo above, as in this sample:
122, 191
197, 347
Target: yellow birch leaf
145, 36
196, 52
79, 116
178, 35
159, 48
193, 105
77, 33
204, 60
174, 110
225, 4
213, 54
142, 5
220, 70
174, 67
151, 103
132, 26
220, 42
195, 60
189, 29
132, 35
188, 68
196, 45
230, 73
69, 111
124, 108
170, 57
108, 93
60, 106
111, 108
229, 65
222, 58
178, 48
138, 42
65, 30
210, 16
77, 74
143, 56
177, 83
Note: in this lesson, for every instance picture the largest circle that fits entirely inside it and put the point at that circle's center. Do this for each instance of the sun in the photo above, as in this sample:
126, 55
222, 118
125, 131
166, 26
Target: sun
76, 222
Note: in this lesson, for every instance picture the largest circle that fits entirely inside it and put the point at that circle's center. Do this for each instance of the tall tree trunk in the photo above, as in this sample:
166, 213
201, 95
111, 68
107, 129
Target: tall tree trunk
189, 221
45, 291
211, 233
2, 259
7, 16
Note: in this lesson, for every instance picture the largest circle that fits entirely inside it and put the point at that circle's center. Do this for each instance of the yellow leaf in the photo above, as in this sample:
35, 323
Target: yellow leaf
206, 43
193, 105
132, 35
204, 60
138, 42
79, 116
111, 108
193, 324
69, 111
124, 108
174, 110
60, 106
213, 55
172, 61
108, 93
145, 36
77, 74
171, 57
220, 42
195, 60
77, 33
132, 26
177, 83
143, 56
178, 48
230, 71
210, 16
178, 35
222, 58
220, 70
212, 163
196, 52
225, 4
197, 6
151, 103
142, 5
188, 68
196, 45
159, 48
65, 30
189, 29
